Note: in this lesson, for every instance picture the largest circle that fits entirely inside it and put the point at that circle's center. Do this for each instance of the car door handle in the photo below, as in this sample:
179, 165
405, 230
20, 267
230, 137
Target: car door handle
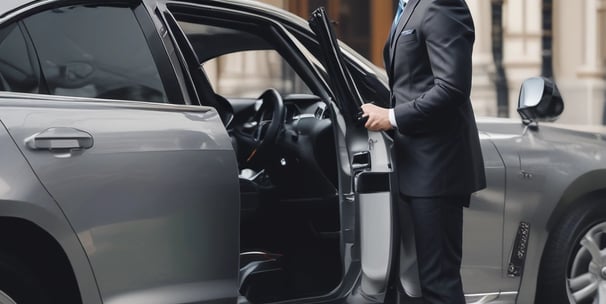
60, 139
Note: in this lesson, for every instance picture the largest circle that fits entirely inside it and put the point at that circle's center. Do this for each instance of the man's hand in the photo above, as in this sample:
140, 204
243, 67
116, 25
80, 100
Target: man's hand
378, 118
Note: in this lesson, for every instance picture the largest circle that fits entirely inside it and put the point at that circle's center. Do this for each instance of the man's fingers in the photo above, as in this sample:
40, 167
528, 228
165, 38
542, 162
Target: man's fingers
367, 107
375, 118
371, 125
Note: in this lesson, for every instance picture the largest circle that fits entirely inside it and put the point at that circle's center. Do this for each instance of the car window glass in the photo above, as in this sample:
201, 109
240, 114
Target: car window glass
16, 70
95, 51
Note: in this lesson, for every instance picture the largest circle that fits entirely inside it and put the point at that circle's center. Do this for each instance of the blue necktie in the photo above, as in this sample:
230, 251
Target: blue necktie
396, 20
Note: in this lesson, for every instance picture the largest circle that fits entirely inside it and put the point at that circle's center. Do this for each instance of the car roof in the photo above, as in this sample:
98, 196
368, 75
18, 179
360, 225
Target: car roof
7, 6
10, 5
254, 5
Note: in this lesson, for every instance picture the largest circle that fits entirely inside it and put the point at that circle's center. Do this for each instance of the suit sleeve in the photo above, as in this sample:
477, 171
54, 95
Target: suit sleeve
449, 35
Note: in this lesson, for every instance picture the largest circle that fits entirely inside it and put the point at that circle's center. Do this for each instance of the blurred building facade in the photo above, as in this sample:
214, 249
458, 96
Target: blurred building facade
515, 40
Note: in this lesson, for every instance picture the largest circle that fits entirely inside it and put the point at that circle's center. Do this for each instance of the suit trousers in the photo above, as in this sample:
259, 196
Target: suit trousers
438, 230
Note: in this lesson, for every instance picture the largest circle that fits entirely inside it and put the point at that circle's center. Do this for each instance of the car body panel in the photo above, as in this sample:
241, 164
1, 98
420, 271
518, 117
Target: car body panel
149, 200
24, 197
144, 226
542, 167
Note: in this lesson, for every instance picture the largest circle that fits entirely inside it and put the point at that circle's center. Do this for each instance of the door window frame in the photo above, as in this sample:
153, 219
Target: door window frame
160, 56
243, 21
164, 65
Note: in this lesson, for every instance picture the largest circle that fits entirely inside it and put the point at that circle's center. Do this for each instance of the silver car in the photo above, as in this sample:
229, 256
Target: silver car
129, 175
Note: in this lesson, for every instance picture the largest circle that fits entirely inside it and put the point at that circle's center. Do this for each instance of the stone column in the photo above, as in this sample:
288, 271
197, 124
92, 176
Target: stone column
522, 40
483, 95
580, 58
593, 60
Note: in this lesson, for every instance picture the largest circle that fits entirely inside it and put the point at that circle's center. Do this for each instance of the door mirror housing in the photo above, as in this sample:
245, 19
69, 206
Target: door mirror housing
540, 100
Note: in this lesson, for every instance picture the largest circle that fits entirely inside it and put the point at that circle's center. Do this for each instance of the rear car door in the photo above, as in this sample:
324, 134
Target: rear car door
151, 189
369, 154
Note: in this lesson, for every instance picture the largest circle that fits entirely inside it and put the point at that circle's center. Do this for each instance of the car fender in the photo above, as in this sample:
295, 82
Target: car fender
548, 170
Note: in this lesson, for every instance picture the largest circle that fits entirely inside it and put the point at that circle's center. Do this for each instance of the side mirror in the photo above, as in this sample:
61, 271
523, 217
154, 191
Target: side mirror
540, 100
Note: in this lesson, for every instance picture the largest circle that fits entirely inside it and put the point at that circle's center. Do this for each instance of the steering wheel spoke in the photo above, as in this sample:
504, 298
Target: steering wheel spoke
263, 131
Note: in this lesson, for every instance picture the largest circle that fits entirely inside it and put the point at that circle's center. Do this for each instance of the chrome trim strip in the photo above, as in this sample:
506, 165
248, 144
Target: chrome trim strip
6, 98
491, 297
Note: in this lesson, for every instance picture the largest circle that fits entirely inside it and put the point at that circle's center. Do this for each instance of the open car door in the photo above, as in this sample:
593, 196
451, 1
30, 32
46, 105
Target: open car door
376, 240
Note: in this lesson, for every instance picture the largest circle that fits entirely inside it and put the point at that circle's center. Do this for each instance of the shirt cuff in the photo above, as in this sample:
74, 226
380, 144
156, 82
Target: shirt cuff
392, 118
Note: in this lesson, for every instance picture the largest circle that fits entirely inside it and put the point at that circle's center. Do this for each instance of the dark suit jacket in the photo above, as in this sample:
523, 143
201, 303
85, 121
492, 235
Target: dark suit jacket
428, 61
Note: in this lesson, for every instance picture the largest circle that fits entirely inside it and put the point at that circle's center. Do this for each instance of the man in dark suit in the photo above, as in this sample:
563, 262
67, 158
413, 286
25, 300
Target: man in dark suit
437, 148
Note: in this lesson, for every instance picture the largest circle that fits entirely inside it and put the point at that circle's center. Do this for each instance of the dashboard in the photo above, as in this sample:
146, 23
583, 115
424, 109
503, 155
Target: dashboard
302, 162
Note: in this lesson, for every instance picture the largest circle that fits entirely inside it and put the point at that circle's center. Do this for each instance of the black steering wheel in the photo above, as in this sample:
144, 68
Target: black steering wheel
266, 124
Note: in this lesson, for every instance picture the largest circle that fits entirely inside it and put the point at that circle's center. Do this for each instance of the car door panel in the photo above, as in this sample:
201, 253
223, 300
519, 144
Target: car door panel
157, 182
376, 225
370, 162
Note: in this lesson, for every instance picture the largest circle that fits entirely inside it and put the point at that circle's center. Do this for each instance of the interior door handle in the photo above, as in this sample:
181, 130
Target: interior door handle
60, 139
361, 161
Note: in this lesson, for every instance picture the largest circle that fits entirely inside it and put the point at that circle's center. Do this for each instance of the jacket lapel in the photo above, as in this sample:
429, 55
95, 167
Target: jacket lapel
410, 7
